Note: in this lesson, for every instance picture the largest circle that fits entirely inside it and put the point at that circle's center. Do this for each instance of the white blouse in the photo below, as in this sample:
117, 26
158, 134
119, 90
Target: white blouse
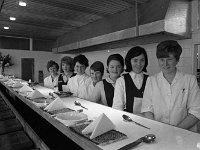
50, 83
98, 94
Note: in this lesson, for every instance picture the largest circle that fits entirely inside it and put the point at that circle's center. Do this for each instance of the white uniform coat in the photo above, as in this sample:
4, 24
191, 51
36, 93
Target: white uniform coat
171, 103
48, 82
78, 85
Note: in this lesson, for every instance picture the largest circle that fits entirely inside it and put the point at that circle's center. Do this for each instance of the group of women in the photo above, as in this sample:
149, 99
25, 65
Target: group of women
170, 96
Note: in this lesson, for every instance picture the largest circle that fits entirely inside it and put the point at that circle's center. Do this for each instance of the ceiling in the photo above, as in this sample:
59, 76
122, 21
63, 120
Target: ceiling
50, 19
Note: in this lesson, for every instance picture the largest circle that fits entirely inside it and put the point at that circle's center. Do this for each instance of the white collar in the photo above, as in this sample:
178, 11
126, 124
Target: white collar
178, 76
133, 74
108, 79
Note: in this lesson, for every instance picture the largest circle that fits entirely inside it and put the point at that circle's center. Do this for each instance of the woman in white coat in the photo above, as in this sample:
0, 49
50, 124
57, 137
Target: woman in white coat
96, 75
78, 83
171, 96
51, 81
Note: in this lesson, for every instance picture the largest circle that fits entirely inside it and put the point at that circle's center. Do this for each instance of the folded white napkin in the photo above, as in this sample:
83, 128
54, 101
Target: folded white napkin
1, 76
35, 94
4, 79
55, 105
17, 84
101, 125
25, 88
10, 81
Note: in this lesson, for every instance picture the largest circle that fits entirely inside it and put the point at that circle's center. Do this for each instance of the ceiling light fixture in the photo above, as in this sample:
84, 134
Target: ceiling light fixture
12, 18
6, 28
22, 3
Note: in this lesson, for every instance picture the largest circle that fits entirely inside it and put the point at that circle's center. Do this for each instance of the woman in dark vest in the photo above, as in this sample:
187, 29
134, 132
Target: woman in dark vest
104, 90
66, 70
129, 88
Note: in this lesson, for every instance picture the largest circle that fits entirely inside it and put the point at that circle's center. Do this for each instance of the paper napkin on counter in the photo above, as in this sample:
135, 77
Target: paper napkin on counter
4, 79
25, 88
55, 105
1, 76
35, 94
17, 84
10, 81
101, 125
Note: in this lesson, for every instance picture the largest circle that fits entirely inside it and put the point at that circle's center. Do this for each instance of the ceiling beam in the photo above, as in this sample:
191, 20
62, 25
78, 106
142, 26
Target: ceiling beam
26, 35
32, 27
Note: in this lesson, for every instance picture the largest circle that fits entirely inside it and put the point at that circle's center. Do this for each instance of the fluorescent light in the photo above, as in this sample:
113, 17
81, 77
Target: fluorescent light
21, 3
6, 28
12, 18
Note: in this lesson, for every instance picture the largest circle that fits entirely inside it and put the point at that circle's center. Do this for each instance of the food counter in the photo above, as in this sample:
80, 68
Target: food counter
167, 136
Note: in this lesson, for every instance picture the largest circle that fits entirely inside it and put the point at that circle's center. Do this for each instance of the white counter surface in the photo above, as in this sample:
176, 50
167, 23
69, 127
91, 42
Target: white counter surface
167, 137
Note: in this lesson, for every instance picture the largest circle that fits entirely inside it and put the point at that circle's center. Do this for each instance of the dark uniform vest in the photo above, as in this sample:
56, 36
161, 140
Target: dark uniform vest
109, 92
132, 91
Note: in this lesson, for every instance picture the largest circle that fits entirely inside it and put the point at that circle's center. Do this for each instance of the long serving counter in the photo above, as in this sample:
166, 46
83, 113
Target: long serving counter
56, 135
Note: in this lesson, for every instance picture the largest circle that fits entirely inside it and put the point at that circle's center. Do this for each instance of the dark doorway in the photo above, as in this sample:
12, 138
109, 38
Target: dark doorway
27, 68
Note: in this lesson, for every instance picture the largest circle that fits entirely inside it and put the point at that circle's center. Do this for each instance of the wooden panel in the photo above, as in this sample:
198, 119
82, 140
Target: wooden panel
6, 115
15, 141
4, 107
5, 94
10, 125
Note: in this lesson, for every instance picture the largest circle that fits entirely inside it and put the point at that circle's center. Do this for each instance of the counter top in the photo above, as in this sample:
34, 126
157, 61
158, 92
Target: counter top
167, 137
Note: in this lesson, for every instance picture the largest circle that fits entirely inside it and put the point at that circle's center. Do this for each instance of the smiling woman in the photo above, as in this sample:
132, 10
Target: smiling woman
96, 72
129, 88
172, 96
104, 90
52, 80
77, 84
66, 70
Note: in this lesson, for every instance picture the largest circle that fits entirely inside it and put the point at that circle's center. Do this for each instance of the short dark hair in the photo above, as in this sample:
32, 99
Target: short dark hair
51, 63
116, 57
82, 60
134, 52
167, 47
67, 60
97, 66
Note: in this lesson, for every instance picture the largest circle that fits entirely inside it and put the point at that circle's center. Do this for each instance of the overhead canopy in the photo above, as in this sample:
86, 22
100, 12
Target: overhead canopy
73, 26
149, 22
